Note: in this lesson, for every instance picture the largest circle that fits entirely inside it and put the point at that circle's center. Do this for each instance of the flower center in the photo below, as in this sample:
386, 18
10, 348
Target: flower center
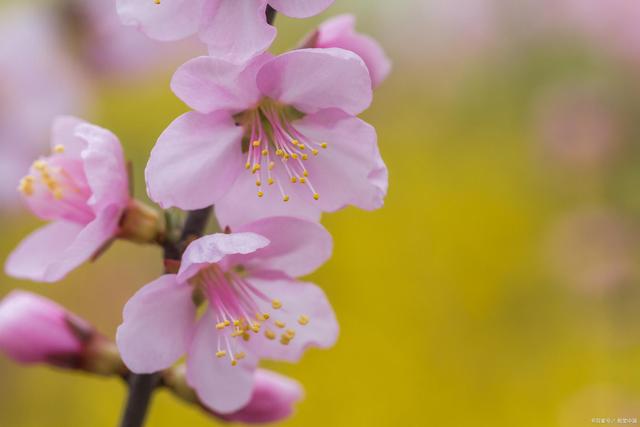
54, 192
236, 306
276, 150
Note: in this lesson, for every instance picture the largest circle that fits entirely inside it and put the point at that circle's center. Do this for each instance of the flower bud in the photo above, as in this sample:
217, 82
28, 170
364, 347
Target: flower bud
141, 223
34, 329
272, 400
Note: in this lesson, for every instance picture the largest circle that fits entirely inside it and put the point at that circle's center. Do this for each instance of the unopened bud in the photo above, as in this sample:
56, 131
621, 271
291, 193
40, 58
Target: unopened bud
141, 224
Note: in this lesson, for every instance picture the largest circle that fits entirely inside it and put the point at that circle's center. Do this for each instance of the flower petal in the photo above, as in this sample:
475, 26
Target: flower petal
209, 84
350, 171
168, 20
272, 399
300, 8
50, 253
340, 32
315, 79
214, 248
298, 247
236, 30
220, 386
241, 205
157, 325
195, 161
63, 135
298, 299
104, 167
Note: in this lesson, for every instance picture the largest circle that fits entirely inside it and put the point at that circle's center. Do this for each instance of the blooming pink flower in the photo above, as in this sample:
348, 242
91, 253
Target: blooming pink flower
233, 30
82, 188
34, 329
255, 309
277, 137
340, 32
272, 399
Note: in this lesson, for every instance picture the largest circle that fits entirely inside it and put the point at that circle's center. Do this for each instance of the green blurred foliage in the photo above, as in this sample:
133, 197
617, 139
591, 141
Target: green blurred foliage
450, 315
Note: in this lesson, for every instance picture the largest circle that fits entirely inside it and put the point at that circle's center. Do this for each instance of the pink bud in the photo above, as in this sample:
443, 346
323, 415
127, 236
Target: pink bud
34, 329
272, 400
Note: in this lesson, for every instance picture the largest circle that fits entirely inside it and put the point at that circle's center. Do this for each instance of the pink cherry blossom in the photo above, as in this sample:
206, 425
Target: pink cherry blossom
278, 136
33, 66
272, 399
255, 309
340, 32
34, 329
233, 30
82, 188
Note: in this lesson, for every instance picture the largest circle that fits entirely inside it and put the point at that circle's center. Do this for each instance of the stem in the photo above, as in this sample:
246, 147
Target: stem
271, 15
141, 386
140, 391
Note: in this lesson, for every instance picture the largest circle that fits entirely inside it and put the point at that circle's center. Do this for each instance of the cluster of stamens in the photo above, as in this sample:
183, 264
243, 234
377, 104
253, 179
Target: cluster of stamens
274, 142
44, 174
234, 302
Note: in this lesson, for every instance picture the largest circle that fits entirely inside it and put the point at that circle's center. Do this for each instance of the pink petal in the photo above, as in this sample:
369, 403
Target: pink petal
33, 328
169, 20
104, 167
214, 248
209, 84
315, 79
220, 386
63, 134
350, 171
195, 161
297, 298
241, 205
236, 30
300, 8
157, 325
297, 247
272, 399
340, 32
50, 253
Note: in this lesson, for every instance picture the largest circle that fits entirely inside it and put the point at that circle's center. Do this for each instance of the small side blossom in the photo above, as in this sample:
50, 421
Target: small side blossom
272, 399
82, 189
278, 136
233, 30
340, 32
254, 309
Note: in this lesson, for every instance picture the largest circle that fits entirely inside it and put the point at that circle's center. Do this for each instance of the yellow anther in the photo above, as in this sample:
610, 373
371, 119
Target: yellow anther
270, 334
247, 165
272, 165
290, 333
305, 173
258, 183
246, 336
295, 142
286, 156
294, 156
284, 340
294, 179
220, 325
236, 323
156, 1
303, 320
237, 333
301, 146
285, 199
58, 149
227, 323
279, 324
279, 152
26, 186
265, 152
256, 143
40, 165
305, 157
314, 151
240, 356
324, 145
316, 196
260, 194
256, 168
234, 362
303, 180
270, 181
255, 327
262, 317
220, 354
276, 304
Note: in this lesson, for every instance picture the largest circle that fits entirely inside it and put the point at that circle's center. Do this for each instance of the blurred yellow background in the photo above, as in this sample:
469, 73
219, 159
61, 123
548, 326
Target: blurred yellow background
498, 286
